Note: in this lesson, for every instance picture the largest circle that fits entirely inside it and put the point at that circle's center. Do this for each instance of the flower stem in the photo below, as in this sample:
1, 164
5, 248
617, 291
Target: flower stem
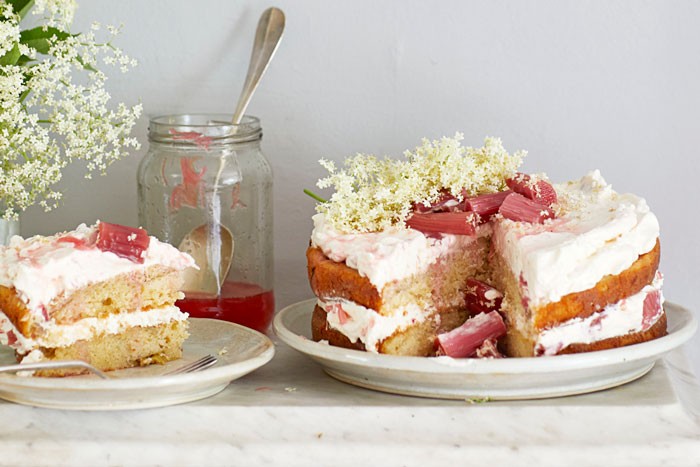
315, 196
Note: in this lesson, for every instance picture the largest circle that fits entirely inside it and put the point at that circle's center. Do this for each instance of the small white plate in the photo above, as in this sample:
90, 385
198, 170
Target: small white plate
239, 351
496, 379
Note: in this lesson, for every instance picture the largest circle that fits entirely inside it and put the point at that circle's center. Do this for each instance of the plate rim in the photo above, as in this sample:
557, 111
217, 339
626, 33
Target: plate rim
262, 355
524, 365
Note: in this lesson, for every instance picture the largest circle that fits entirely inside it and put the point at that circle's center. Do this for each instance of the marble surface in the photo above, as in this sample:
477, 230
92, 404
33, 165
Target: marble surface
290, 413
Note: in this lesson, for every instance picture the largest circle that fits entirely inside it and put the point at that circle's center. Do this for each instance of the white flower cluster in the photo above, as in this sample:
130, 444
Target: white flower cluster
372, 194
54, 106
58, 13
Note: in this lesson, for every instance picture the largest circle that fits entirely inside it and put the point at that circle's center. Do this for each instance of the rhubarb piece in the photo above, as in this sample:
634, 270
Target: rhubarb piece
125, 242
518, 208
489, 349
480, 297
445, 203
537, 190
458, 223
343, 317
652, 309
486, 205
463, 341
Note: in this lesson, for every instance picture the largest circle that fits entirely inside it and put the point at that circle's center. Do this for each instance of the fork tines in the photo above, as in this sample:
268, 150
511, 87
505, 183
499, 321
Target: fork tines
197, 365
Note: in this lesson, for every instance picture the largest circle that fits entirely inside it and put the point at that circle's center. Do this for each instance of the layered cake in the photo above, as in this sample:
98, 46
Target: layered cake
453, 251
103, 294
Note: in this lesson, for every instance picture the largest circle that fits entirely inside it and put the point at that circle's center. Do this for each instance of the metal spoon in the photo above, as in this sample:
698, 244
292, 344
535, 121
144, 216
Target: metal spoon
267, 38
210, 246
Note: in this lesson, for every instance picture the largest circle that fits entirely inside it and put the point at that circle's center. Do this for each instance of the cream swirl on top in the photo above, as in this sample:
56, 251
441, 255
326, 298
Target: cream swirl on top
41, 268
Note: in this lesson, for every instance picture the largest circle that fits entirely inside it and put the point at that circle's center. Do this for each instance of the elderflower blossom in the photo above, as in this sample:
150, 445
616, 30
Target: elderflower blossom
54, 109
57, 13
372, 194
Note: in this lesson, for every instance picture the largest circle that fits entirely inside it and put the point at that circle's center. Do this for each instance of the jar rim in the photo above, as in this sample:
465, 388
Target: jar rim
216, 128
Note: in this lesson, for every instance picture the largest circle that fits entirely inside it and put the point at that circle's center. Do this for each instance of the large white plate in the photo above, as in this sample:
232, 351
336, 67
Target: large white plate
509, 378
240, 350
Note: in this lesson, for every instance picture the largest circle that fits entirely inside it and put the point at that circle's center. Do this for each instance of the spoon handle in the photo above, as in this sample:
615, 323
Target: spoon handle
267, 38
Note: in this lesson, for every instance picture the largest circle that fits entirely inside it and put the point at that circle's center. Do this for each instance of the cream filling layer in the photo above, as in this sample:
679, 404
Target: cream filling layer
366, 325
629, 315
87, 328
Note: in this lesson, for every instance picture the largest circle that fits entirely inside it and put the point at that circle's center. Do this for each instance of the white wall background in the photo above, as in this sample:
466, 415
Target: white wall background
613, 85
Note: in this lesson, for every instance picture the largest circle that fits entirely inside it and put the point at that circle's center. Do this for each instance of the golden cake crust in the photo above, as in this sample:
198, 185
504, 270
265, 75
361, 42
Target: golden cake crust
610, 289
15, 310
332, 279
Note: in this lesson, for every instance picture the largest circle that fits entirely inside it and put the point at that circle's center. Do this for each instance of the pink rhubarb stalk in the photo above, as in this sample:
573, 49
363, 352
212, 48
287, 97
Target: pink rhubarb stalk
445, 203
123, 241
537, 190
465, 340
518, 208
457, 223
486, 205
651, 310
479, 297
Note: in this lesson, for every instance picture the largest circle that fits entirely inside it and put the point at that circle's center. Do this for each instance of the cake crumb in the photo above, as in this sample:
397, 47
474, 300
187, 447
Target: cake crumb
223, 351
290, 389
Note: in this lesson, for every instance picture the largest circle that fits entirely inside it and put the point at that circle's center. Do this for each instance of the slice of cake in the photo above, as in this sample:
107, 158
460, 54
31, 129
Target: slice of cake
391, 291
406, 251
103, 294
586, 280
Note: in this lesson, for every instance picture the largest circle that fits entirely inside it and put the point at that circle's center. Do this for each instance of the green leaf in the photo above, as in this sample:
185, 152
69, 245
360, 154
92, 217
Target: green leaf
86, 66
21, 7
11, 56
39, 38
23, 60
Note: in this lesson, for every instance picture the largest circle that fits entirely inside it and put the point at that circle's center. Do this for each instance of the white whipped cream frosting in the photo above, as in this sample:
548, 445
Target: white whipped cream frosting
40, 268
359, 323
599, 232
56, 335
386, 256
619, 319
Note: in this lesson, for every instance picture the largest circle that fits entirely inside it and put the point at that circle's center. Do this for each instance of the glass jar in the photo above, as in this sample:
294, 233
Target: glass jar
206, 187
8, 229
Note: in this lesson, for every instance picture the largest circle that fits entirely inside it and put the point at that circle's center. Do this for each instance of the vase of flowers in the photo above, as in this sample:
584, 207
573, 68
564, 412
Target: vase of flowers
54, 109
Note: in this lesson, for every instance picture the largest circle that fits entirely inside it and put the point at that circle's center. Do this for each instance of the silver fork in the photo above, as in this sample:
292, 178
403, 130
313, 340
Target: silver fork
197, 365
